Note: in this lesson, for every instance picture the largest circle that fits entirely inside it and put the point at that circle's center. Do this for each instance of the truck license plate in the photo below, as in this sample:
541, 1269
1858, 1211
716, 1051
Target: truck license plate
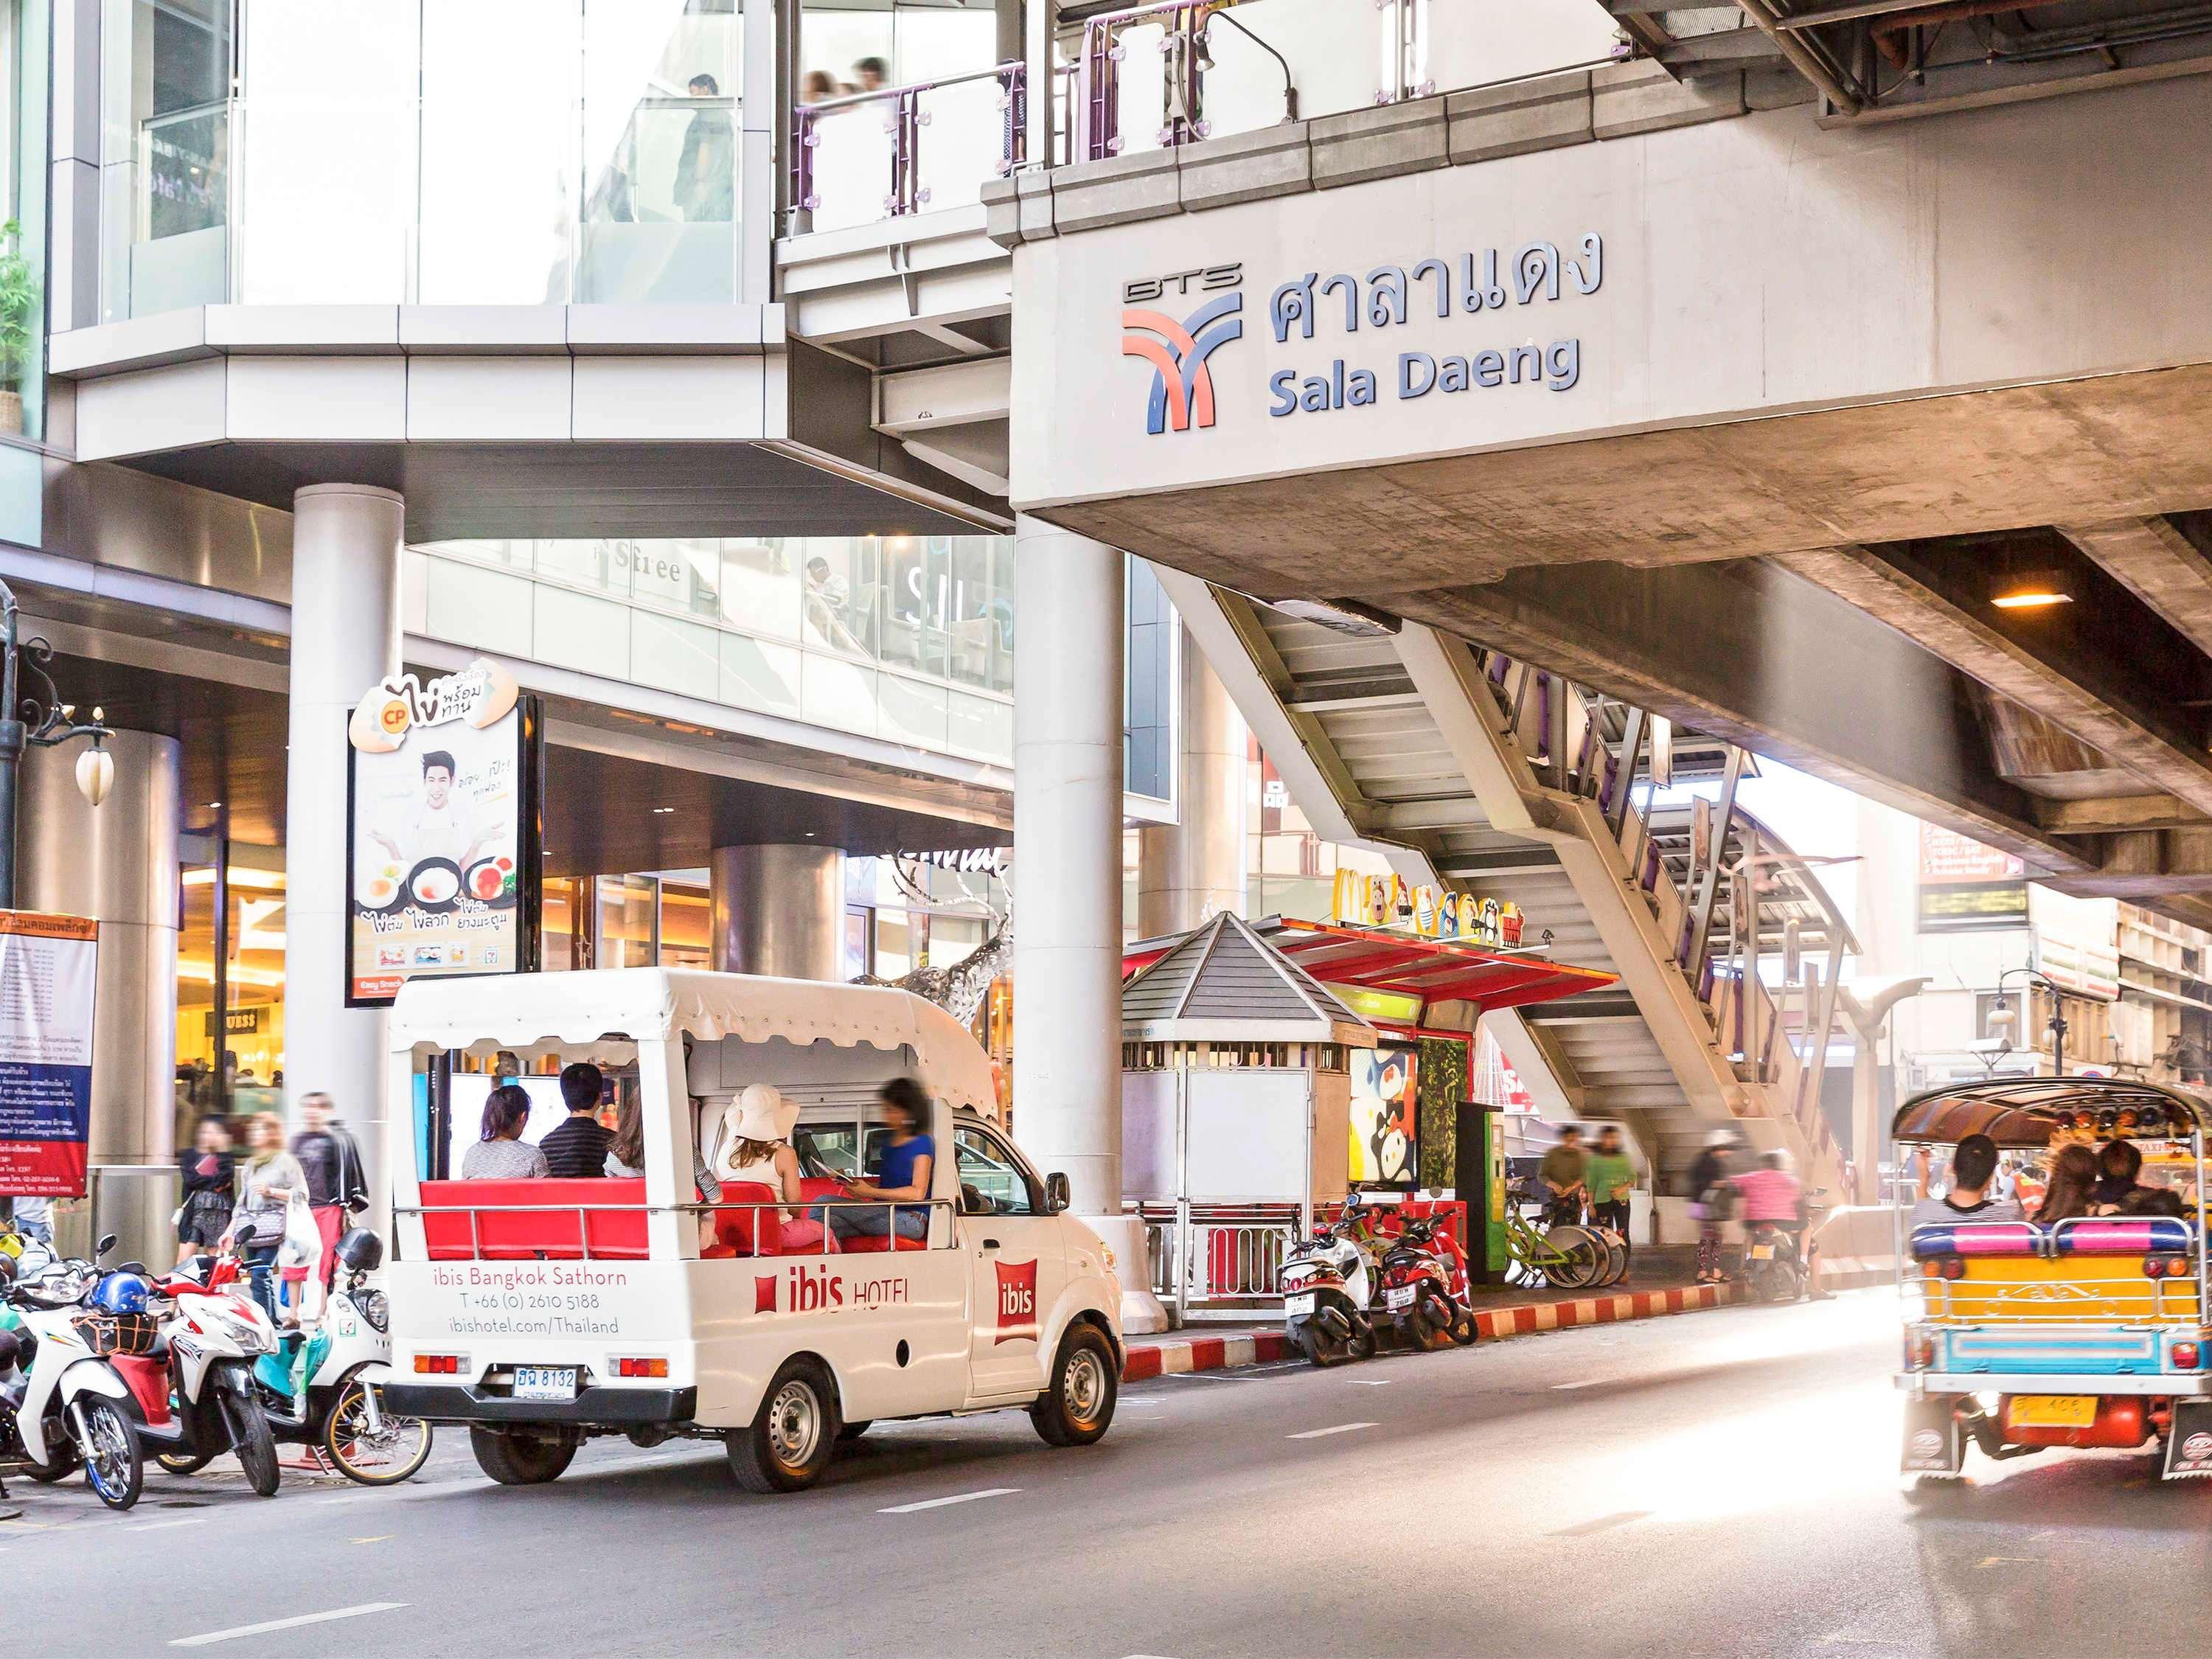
2054, 1411
1398, 1298
545, 1382
1297, 1307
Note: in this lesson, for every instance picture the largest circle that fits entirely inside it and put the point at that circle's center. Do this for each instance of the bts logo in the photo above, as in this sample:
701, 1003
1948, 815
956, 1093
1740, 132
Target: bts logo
1183, 384
1018, 1309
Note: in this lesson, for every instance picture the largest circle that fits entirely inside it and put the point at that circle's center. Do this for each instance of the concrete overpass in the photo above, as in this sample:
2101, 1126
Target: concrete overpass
1681, 379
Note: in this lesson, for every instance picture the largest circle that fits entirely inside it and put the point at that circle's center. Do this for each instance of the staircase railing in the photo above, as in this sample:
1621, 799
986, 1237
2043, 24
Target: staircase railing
1751, 926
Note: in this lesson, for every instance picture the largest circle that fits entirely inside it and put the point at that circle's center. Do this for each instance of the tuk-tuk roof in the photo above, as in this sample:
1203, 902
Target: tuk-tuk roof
518, 1010
2022, 1112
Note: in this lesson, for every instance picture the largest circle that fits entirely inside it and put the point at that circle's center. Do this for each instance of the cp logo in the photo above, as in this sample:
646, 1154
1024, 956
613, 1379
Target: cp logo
1182, 385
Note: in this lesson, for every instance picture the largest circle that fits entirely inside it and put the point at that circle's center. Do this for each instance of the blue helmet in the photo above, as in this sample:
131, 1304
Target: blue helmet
121, 1293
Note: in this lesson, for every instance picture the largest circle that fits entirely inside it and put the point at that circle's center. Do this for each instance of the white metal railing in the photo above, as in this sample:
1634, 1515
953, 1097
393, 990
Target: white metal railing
765, 1213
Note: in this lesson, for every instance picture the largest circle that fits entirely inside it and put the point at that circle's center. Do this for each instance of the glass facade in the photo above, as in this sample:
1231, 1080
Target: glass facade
23, 96
405, 152
906, 638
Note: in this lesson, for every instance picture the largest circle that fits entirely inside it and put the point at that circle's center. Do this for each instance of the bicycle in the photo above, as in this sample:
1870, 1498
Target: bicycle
1566, 1257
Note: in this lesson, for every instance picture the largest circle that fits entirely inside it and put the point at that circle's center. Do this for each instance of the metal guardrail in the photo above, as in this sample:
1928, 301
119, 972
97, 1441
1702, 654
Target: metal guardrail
1230, 1260
807, 1207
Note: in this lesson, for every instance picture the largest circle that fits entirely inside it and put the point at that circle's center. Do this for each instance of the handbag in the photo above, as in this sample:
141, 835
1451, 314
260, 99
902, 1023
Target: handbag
302, 1245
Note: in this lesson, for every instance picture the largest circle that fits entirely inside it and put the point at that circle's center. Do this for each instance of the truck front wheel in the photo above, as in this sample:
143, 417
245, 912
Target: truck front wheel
789, 1442
1079, 1407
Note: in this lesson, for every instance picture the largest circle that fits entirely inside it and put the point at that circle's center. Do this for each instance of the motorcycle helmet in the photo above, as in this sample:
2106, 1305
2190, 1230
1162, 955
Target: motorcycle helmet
360, 1250
120, 1293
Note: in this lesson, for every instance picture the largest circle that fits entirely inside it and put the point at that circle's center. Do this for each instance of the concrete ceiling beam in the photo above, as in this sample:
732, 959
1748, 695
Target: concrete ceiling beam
2158, 564
1750, 654
2116, 814
2096, 698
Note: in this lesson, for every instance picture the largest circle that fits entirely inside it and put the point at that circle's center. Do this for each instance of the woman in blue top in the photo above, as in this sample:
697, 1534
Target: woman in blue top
904, 1167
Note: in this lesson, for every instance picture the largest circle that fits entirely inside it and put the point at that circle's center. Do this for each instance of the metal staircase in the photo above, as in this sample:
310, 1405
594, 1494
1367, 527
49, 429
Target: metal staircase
1482, 774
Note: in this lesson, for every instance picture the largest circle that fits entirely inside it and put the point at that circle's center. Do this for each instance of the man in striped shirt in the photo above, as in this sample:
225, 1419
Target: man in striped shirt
577, 1150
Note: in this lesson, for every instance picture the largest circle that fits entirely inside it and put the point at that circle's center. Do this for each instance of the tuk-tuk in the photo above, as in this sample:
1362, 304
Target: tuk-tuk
2085, 1331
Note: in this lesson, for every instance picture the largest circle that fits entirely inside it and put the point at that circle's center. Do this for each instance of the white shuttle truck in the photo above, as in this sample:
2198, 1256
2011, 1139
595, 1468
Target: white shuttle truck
540, 1313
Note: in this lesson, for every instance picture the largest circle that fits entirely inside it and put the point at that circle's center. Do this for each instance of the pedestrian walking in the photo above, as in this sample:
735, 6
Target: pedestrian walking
1611, 1176
208, 1173
34, 1218
267, 1180
1564, 1174
1711, 1200
337, 1186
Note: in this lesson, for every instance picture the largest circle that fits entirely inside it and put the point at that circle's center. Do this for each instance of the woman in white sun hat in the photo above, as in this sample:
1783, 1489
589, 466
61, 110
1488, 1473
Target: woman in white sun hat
756, 1147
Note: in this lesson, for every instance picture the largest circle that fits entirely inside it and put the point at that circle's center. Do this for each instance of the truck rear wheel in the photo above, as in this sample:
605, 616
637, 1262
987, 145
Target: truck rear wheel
1078, 1407
516, 1457
788, 1445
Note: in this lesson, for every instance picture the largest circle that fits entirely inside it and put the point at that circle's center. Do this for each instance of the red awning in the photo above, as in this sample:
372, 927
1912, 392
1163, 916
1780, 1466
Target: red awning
1434, 969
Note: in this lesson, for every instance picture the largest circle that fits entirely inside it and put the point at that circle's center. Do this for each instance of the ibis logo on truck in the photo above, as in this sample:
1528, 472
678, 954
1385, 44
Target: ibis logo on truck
1182, 383
1017, 1309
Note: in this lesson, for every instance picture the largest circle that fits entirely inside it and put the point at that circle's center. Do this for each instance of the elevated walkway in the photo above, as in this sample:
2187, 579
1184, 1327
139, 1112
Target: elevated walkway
1482, 774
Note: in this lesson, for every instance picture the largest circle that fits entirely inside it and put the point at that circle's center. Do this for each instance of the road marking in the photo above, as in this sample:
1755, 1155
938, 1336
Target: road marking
1586, 1382
1340, 1428
158, 1526
380, 1538
267, 1626
1603, 1523
1374, 1381
2006, 1561
957, 1498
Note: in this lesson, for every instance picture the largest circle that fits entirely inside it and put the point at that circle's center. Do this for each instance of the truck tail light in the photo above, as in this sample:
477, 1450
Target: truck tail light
1954, 1266
2185, 1356
641, 1368
441, 1365
1919, 1351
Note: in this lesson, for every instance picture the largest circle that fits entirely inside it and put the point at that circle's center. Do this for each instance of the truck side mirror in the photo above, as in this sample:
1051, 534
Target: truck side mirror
1055, 1193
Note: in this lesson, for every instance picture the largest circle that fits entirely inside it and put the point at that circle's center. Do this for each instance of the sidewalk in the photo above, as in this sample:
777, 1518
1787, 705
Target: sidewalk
1661, 1279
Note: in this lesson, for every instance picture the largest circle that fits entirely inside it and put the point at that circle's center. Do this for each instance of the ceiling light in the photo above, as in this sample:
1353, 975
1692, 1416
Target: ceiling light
662, 811
2032, 589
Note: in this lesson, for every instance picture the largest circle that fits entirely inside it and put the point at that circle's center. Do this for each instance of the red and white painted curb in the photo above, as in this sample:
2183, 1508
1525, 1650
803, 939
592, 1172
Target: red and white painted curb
1170, 1356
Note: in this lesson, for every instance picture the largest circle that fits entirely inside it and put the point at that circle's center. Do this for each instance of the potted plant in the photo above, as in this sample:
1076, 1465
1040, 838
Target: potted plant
18, 311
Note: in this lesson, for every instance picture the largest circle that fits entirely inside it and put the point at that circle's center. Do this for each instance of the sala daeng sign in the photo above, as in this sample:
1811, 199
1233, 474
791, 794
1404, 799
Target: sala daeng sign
1337, 332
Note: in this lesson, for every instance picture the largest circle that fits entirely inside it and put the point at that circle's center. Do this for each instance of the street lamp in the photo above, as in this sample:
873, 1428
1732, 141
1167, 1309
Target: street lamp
40, 717
2003, 1019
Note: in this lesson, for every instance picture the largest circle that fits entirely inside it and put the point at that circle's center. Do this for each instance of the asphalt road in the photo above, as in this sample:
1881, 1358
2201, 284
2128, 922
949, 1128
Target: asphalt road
1714, 1482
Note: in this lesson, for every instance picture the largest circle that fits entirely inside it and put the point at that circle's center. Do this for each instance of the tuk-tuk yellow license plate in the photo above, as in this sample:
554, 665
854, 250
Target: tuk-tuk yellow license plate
2054, 1411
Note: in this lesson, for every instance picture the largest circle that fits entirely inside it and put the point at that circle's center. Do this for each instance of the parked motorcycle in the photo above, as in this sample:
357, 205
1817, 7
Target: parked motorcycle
1416, 1281
1326, 1289
72, 1405
194, 1390
324, 1388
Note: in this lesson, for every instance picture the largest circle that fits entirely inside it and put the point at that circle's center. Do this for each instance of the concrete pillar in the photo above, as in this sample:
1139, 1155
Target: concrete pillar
345, 638
1194, 868
1069, 593
778, 910
118, 864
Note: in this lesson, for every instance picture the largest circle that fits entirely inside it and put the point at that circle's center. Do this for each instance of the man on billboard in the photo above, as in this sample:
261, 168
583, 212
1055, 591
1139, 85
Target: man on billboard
439, 827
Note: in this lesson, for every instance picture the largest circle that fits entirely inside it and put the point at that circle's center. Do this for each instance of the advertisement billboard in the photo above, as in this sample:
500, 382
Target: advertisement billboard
48, 969
443, 832
1386, 1116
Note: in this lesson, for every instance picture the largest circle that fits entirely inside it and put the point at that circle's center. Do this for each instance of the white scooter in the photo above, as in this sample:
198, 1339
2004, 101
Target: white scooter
1327, 1284
196, 1396
74, 1407
325, 1387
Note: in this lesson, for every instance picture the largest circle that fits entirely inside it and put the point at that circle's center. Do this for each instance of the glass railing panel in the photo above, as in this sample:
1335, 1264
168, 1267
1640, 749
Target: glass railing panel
1135, 118
661, 216
960, 136
852, 152
1336, 54
1472, 43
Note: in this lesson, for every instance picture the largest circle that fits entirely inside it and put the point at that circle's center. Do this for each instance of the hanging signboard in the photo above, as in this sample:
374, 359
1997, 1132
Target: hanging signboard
48, 970
444, 833
1966, 887
1363, 900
